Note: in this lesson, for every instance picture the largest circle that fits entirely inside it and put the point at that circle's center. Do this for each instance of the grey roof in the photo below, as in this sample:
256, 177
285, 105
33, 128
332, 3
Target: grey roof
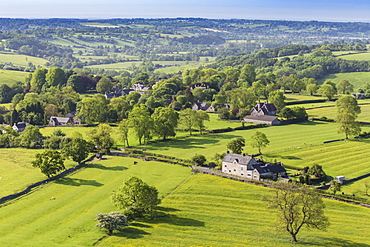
61, 119
262, 118
241, 159
269, 168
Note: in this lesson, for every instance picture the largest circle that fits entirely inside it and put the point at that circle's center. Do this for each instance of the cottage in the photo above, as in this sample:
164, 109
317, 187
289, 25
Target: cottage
20, 127
60, 121
264, 109
203, 106
248, 167
270, 120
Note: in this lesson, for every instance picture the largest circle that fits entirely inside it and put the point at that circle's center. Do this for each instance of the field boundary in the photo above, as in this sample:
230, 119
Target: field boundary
62, 174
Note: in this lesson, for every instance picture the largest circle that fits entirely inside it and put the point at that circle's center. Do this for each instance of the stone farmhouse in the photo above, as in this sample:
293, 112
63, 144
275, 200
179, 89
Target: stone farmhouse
63, 121
20, 127
264, 113
203, 106
248, 167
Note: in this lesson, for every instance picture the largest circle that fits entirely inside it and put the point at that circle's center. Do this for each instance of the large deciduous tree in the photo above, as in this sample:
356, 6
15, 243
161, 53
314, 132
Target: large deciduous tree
136, 197
277, 98
93, 109
347, 112
236, 145
344, 87
259, 140
101, 137
77, 149
56, 77
104, 85
188, 119
200, 117
165, 121
50, 162
297, 207
141, 122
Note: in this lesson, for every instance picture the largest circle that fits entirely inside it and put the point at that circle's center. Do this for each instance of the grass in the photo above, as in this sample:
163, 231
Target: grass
211, 211
355, 56
357, 79
281, 138
22, 60
16, 170
331, 112
10, 77
35, 220
299, 97
335, 161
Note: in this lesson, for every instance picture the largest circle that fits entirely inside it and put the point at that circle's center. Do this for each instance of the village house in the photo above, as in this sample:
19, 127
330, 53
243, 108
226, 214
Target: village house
263, 113
20, 127
203, 106
63, 121
248, 167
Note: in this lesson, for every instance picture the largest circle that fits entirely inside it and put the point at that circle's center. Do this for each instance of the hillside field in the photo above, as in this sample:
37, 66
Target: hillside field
197, 210
22, 60
16, 171
357, 79
281, 138
10, 77
331, 112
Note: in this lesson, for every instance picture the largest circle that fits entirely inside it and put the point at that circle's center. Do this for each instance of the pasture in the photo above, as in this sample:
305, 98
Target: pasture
22, 60
16, 171
354, 55
10, 77
281, 138
331, 112
197, 210
211, 211
35, 220
357, 79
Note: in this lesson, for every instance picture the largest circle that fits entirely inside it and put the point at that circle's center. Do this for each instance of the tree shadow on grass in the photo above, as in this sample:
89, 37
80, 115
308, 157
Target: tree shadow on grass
288, 157
131, 233
192, 142
113, 168
78, 182
333, 242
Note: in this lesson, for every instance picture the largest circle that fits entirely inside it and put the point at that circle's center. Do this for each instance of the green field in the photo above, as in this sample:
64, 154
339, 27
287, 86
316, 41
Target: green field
211, 211
201, 210
10, 77
357, 79
353, 55
331, 112
16, 171
22, 60
35, 220
298, 97
281, 138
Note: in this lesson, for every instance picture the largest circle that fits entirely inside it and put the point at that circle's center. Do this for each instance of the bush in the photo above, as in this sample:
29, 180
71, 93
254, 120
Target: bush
199, 159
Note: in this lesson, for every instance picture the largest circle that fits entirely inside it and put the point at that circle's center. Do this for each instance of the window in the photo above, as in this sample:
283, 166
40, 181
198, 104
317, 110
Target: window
229, 170
225, 165
248, 174
241, 168
242, 174
234, 170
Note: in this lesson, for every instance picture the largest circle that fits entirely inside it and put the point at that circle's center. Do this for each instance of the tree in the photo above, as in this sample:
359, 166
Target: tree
31, 137
93, 109
56, 77
51, 110
6, 93
199, 159
297, 207
111, 221
136, 197
78, 149
317, 171
335, 186
327, 90
104, 85
236, 145
38, 79
50, 162
277, 98
123, 130
259, 140
200, 117
76, 82
101, 137
344, 87
347, 112
187, 119
165, 122
141, 122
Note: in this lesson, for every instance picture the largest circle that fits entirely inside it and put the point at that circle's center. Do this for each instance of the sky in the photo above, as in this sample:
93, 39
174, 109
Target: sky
321, 10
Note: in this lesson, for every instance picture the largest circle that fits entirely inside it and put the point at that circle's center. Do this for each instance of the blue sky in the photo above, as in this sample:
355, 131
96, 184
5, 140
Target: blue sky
323, 10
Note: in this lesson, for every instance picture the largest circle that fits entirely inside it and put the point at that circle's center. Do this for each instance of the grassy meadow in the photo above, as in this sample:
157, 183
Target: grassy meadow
281, 138
357, 79
16, 171
35, 220
197, 210
22, 60
10, 77
331, 112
